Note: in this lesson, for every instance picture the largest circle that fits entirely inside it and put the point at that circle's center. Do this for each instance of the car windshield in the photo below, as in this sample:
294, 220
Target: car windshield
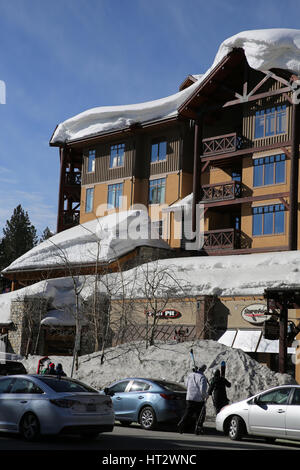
67, 385
173, 387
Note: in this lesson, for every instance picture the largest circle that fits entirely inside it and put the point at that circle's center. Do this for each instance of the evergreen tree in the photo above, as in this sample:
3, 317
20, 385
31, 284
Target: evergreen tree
19, 237
46, 234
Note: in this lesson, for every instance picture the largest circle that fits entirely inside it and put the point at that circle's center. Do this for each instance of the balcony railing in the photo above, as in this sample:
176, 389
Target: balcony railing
221, 239
221, 191
222, 144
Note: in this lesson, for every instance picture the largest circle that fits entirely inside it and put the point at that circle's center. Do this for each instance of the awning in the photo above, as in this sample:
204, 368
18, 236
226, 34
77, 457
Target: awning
250, 341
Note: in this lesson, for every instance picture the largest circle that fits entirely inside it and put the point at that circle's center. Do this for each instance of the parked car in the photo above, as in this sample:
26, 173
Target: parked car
274, 413
147, 401
34, 404
12, 368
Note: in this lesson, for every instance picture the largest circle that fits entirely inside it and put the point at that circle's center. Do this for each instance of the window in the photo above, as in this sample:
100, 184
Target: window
89, 200
138, 386
158, 151
269, 170
5, 385
119, 387
276, 397
115, 192
157, 191
91, 161
271, 121
268, 220
296, 397
25, 386
117, 155
66, 385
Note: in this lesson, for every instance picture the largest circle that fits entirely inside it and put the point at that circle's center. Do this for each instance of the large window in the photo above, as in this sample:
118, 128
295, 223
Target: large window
115, 192
158, 151
271, 121
269, 170
268, 220
117, 155
89, 200
157, 191
91, 161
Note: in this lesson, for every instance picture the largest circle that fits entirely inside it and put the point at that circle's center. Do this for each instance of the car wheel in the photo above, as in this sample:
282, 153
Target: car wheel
147, 418
30, 427
236, 428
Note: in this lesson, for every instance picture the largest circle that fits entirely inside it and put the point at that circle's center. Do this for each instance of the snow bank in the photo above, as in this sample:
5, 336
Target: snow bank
104, 239
172, 361
264, 49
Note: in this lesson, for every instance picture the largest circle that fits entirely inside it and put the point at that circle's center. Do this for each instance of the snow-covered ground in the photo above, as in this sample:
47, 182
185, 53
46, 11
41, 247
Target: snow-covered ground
173, 362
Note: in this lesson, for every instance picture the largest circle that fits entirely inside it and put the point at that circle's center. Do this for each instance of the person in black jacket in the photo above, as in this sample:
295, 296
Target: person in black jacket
217, 389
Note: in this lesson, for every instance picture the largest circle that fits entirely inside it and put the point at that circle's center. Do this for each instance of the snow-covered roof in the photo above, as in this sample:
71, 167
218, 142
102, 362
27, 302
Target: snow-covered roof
103, 240
264, 49
222, 276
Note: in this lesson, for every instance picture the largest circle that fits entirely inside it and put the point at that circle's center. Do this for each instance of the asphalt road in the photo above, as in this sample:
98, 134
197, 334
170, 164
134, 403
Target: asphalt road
128, 441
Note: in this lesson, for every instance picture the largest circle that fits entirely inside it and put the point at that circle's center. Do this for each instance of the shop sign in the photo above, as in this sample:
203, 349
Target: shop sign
256, 313
167, 313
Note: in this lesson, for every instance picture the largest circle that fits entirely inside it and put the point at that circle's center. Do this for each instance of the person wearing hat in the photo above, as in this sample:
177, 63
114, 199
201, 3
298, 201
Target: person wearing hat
195, 397
217, 389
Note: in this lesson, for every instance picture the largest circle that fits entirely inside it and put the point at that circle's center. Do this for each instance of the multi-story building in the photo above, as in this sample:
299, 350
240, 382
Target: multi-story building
233, 143
246, 157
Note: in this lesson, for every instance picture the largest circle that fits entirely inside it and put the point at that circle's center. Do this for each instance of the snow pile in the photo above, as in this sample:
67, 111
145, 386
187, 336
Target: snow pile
103, 239
172, 362
264, 49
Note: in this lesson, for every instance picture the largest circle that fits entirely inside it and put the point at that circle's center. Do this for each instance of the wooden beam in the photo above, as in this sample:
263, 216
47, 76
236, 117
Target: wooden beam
247, 151
205, 166
257, 97
243, 200
294, 180
285, 203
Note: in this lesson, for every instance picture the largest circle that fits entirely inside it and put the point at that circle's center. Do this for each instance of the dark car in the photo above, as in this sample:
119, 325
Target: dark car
12, 368
147, 401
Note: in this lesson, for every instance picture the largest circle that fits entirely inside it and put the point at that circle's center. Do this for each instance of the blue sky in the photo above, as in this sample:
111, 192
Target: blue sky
61, 57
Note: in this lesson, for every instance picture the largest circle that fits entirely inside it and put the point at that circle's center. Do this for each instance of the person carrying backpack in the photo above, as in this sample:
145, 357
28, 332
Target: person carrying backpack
217, 389
195, 397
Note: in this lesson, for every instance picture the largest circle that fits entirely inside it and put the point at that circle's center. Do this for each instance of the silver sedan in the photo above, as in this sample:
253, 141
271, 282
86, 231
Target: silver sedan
274, 413
39, 404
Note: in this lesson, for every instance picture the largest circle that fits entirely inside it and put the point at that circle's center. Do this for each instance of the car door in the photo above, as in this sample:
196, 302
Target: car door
22, 394
134, 397
293, 416
267, 413
118, 390
6, 418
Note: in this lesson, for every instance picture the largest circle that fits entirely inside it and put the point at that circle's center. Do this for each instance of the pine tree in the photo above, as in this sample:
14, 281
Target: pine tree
46, 234
19, 237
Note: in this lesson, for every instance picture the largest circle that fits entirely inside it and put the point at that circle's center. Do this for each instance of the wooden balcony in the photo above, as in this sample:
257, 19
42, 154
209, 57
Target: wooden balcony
222, 144
221, 191
221, 239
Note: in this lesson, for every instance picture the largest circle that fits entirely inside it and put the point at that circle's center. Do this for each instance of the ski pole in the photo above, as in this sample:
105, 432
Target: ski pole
193, 358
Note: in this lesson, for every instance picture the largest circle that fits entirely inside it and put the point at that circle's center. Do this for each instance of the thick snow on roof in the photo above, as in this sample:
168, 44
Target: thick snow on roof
236, 275
264, 49
104, 240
